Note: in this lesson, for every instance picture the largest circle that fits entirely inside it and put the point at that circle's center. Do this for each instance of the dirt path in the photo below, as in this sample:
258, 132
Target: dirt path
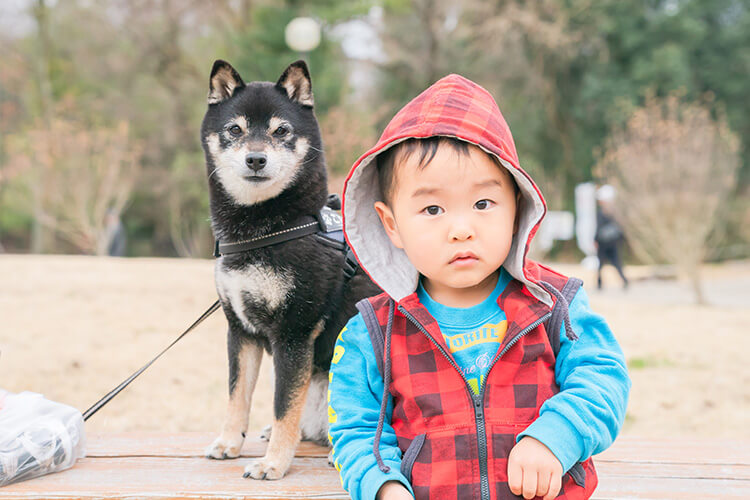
73, 327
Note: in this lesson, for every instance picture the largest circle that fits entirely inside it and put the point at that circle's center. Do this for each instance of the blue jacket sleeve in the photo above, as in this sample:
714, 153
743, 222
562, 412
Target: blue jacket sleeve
585, 416
354, 399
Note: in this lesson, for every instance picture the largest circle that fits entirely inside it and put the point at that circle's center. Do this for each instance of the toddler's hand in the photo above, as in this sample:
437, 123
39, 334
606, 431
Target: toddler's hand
533, 470
393, 490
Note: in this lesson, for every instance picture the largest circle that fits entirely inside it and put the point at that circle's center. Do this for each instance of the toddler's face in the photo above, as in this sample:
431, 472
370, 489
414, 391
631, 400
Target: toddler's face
454, 218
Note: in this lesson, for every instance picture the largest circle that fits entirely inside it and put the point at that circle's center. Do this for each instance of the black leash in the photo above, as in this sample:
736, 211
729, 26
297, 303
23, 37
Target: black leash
326, 222
216, 305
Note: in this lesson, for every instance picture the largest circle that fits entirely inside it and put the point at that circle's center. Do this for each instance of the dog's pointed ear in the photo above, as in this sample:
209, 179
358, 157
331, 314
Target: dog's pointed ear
295, 82
224, 82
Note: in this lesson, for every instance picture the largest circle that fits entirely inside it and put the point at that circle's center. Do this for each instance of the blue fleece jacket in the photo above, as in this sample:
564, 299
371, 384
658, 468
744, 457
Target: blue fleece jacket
581, 420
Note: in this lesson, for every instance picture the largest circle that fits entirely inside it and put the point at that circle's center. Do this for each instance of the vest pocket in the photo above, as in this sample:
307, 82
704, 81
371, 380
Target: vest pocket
502, 439
443, 465
578, 473
410, 455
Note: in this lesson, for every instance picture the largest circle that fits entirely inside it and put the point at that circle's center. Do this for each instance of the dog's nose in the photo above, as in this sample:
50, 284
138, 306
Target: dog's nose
255, 161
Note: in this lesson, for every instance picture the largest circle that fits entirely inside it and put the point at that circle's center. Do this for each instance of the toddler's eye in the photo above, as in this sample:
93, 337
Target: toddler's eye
433, 210
235, 130
483, 204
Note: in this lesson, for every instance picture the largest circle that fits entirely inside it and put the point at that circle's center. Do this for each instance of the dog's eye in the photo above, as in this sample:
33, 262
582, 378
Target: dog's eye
235, 130
281, 131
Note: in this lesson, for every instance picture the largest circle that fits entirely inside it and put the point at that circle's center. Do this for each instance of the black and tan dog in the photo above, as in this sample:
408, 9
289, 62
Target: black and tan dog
266, 169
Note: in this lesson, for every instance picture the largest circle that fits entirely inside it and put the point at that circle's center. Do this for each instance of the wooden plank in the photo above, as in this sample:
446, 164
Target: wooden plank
169, 477
678, 450
625, 449
154, 477
704, 460
150, 465
185, 444
620, 474
675, 471
650, 488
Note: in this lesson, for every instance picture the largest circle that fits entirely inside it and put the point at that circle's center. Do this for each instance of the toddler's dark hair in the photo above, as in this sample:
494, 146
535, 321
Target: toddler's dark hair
427, 148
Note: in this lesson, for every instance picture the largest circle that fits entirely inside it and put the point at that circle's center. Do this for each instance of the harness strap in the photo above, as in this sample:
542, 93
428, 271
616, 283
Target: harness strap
350, 264
301, 227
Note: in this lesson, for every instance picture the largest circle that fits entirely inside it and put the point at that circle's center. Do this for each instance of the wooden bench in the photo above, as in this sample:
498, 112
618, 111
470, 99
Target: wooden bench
140, 465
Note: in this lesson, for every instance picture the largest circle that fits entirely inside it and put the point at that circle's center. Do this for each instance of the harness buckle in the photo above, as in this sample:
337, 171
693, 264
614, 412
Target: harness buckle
350, 264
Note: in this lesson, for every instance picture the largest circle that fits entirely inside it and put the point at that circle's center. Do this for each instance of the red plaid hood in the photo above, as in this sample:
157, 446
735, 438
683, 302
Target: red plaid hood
453, 107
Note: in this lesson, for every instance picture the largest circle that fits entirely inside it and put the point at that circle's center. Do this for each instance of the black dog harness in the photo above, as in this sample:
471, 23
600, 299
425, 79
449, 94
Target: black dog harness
326, 225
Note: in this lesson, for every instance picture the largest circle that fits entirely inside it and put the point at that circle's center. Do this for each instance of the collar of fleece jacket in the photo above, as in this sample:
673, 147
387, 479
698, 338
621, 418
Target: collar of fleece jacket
454, 107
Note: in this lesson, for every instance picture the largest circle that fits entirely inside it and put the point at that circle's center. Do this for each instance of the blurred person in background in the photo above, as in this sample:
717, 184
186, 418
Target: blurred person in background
117, 240
609, 234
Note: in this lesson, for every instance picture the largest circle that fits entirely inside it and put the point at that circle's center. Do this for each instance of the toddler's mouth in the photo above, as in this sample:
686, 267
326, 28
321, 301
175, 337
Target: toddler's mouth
464, 258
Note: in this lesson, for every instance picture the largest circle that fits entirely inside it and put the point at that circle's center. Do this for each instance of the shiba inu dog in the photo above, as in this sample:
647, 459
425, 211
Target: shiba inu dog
266, 171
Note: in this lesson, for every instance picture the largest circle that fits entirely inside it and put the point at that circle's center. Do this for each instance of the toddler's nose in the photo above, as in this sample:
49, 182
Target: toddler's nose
461, 231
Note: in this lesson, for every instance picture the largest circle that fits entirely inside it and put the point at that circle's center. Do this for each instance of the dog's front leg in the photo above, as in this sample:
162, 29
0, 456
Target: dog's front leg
244, 364
292, 371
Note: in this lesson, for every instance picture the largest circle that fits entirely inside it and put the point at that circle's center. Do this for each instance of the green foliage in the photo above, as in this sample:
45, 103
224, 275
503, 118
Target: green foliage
259, 51
564, 73
698, 46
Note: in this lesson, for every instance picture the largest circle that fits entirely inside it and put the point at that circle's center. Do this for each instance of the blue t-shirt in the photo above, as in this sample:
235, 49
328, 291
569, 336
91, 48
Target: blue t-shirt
473, 334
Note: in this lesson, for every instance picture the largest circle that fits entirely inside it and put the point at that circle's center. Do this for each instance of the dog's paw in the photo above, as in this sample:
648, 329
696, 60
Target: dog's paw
265, 468
330, 459
225, 447
265, 434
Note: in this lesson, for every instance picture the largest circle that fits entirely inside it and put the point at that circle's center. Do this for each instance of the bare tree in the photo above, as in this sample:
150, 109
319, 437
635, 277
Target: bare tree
163, 32
419, 40
538, 42
187, 207
89, 175
42, 65
674, 167
348, 131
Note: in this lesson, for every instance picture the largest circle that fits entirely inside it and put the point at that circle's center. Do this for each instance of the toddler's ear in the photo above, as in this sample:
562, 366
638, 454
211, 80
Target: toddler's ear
389, 223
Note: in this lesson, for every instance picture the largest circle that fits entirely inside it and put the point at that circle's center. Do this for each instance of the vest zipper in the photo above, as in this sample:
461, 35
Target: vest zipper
478, 399
484, 477
479, 403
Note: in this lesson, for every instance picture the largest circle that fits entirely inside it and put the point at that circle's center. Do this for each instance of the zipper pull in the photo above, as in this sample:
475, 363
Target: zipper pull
478, 410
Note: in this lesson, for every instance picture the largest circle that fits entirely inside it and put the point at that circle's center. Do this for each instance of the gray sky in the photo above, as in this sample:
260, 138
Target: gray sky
14, 21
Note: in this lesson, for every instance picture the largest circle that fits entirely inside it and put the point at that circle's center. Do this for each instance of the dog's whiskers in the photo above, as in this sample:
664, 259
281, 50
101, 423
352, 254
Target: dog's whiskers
309, 161
213, 172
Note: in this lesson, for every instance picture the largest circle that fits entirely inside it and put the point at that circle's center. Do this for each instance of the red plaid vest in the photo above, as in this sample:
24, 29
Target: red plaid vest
456, 444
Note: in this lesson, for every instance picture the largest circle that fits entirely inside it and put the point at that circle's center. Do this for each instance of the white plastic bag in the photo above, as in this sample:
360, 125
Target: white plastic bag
37, 436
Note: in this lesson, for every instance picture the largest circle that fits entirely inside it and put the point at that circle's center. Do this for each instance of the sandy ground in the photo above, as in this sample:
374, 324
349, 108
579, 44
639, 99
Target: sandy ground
73, 327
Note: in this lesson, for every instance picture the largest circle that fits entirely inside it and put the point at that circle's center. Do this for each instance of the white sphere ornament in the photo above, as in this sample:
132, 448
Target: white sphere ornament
302, 34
